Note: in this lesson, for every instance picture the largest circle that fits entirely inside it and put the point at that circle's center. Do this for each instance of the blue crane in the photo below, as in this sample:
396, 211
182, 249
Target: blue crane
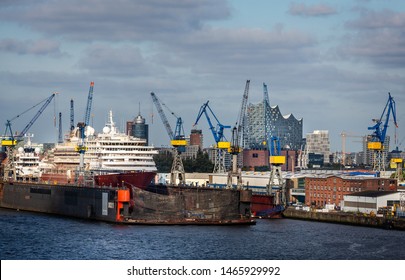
12, 140
377, 138
218, 130
379, 133
88, 107
218, 133
177, 138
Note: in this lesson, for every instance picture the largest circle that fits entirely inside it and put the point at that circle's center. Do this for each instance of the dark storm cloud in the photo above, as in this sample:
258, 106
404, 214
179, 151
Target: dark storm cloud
300, 9
115, 20
378, 37
35, 47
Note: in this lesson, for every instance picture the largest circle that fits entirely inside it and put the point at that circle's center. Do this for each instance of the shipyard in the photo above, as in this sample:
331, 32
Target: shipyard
114, 176
222, 138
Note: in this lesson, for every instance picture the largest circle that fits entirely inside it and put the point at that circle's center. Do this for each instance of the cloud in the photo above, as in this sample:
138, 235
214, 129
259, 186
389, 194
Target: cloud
318, 10
231, 51
106, 60
376, 37
34, 47
115, 20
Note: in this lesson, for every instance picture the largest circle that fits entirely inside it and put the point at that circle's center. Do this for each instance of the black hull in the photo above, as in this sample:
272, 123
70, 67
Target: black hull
169, 205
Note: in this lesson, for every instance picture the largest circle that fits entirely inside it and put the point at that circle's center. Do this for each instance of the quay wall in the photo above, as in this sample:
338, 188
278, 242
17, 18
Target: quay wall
346, 218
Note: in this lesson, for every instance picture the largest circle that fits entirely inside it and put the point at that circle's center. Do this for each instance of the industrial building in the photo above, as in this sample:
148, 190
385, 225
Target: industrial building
370, 201
330, 189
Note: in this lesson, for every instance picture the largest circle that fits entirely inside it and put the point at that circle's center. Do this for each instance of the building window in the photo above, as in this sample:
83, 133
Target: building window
255, 155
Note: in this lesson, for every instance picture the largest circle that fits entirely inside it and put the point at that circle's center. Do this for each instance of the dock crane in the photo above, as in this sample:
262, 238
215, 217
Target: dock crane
276, 182
377, 138
177, 140
235, 147
9, 140
72, 116
81, 147
218, 133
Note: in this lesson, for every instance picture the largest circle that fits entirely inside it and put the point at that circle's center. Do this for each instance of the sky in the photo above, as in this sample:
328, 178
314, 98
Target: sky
331, 63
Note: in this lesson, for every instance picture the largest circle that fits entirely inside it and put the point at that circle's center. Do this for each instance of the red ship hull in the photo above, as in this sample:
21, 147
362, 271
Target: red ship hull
263, 206
131, 179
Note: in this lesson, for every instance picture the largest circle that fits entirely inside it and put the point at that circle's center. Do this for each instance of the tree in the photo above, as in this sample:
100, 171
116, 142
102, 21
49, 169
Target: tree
163, 162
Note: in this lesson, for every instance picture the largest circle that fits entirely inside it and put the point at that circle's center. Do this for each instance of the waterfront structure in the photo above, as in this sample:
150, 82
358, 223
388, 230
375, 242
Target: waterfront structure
370, 201
317, 143
330, 189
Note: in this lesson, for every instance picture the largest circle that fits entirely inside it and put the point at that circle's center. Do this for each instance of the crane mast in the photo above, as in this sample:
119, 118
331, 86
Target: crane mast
276, 184
177, 140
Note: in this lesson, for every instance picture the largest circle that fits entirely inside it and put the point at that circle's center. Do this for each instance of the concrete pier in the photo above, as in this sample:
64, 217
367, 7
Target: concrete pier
346, 218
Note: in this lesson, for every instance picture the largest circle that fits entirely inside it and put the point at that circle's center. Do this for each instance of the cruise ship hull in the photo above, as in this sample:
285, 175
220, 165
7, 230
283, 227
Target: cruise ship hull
168, 206
264, 206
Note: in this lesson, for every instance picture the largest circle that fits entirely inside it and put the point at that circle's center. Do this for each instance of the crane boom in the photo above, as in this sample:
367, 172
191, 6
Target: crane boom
43, 107
88, 107
11, 141
217, 133
241, 119
162, 115
72, 115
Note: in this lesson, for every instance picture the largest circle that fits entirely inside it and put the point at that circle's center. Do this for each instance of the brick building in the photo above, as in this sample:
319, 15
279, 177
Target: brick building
330, 189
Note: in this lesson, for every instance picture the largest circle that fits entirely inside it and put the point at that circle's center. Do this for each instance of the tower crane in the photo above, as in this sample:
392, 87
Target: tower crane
10, 140
235, 147
276, 182
377, 138
218, 133
177, 140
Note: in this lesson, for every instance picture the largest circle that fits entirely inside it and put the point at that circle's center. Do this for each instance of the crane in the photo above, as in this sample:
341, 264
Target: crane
218, 133
72, 116
88, 107
276, 182
60, 139
81, 146
377, 138
10, 141
177, 140
235, 147
344, 135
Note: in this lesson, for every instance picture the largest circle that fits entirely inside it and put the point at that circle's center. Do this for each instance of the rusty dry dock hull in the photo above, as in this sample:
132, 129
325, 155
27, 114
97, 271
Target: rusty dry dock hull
162, 205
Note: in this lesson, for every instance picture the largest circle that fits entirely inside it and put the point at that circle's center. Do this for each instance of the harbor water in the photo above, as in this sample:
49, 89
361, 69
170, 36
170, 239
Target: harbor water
27, 236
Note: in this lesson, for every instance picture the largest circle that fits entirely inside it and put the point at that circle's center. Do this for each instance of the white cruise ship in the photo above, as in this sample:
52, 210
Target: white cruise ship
109, 152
